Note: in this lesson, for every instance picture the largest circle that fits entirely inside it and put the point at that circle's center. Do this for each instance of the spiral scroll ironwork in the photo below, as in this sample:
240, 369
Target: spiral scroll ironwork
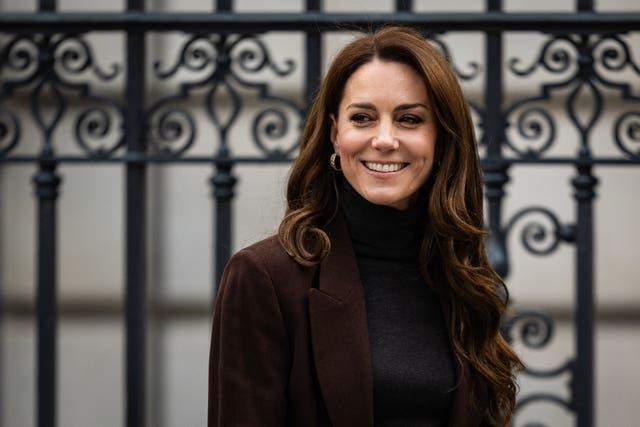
9, 131
74, 56
582, 63
196, 54
531, 328
19, 58
555, 56
253, 56
222, 65
49, 67
535, 124
93, 129
474, 66
534, 330
174, 131
271, 123
614, 54
626, 132
535, 237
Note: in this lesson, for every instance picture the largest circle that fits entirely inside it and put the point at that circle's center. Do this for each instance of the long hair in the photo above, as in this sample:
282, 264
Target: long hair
453, 254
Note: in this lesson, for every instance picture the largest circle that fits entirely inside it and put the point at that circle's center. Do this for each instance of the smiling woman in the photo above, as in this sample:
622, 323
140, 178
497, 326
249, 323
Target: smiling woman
375, 304
384, 133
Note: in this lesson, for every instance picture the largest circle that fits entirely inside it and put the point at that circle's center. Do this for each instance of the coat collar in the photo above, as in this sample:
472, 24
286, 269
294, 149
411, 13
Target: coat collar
340, 341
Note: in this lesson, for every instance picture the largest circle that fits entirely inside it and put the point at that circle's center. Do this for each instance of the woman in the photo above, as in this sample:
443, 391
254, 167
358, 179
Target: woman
375, 303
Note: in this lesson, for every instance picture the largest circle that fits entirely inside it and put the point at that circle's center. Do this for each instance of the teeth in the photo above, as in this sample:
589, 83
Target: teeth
384, 167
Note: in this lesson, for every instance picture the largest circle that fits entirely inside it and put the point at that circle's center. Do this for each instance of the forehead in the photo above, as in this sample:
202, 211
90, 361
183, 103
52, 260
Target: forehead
385, 81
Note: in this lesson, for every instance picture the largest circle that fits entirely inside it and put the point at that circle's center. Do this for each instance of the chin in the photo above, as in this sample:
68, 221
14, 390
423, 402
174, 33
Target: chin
388, 200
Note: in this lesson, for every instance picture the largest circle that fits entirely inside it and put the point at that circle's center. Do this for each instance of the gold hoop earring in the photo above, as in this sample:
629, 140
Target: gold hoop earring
334, 162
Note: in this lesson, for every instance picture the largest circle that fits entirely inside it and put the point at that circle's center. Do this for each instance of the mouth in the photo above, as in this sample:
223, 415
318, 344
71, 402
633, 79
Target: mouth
384, 167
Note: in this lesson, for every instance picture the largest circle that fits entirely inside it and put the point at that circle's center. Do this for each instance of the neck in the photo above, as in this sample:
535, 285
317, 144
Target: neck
382, 231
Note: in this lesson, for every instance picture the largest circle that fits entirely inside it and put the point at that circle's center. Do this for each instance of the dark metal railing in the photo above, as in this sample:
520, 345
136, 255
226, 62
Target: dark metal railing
136, 217
41, 49
313, 22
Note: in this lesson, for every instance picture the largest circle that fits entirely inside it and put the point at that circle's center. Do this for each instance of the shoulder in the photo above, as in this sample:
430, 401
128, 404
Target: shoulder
264, 263
267, 254
264, 250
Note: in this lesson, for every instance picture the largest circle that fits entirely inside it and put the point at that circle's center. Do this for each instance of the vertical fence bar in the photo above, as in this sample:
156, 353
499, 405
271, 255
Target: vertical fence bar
223, 183
585, 5
583, 375
46, 181
314, 56
47, 5
135, 305
224, 5
404, 5
495, 167
3, 405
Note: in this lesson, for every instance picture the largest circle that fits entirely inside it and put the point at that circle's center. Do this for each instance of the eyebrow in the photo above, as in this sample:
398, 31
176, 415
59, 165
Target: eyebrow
401, 107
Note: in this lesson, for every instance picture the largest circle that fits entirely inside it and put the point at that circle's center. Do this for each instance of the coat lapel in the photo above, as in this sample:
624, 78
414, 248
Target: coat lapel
339, 334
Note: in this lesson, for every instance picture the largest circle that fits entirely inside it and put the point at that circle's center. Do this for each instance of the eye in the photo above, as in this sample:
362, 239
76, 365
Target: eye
360, 118
411, 120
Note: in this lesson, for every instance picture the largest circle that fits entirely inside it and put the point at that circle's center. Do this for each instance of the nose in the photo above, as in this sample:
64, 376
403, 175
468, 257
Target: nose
385, 139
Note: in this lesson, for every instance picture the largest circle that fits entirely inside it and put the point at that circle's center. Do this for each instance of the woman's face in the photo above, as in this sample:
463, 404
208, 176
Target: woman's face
385, 133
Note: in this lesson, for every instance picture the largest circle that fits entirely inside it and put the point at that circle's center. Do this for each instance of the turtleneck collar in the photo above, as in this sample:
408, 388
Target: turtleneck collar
380, 231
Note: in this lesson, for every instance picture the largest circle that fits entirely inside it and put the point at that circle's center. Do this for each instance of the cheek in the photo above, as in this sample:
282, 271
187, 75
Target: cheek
423, 149
348, 143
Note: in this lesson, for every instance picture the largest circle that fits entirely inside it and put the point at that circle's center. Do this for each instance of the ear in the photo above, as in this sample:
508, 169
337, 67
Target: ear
334, 132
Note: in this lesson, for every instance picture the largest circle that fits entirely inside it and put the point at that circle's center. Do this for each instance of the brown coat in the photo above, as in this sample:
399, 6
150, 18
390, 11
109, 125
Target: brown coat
290, 348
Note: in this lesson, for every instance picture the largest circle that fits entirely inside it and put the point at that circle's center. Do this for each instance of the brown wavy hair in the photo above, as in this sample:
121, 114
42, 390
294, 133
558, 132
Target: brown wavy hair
453, 254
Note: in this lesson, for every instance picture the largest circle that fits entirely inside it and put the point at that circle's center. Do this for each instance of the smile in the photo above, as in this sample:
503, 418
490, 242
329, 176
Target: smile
384, 167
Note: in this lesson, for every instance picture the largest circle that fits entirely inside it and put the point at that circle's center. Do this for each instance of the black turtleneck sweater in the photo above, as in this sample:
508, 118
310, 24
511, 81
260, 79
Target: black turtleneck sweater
413, 370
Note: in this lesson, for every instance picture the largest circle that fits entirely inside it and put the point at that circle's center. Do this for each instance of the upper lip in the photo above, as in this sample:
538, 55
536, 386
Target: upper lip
385, 162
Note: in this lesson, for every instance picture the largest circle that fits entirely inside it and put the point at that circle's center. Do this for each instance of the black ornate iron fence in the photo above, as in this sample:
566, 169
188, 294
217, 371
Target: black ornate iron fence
47, 56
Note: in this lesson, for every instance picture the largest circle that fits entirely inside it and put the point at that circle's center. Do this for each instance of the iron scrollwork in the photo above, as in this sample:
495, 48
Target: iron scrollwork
616, 57
534, 330
534, 123
474, 66
531, 328
49, 67
535, 236
9, 131
627, 131
221, 63
582, 62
